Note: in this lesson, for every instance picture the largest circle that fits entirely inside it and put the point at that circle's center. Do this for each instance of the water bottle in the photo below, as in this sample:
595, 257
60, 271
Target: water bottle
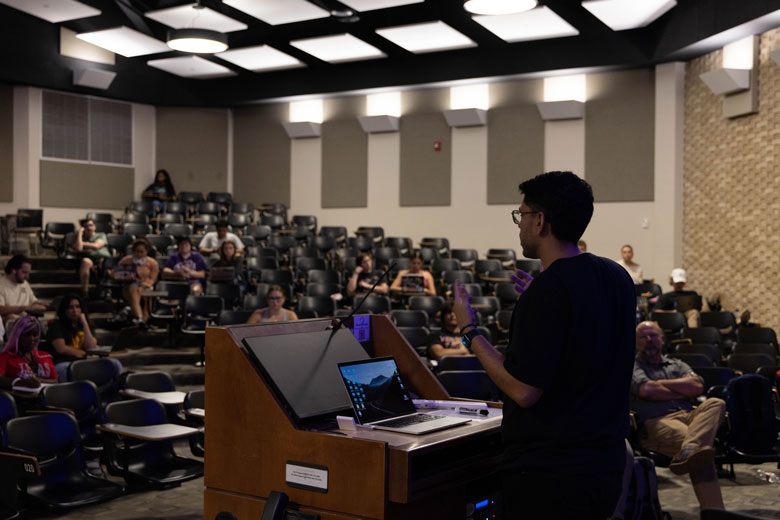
767, 476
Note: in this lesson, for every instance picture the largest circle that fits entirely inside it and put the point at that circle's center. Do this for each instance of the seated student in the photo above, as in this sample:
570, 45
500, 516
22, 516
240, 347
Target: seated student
71, 334
146, 272
662, 389
21, 363
186, 265
91, 246
160, 191
229, 258
627, 262
364, 277
449, 340
16, 295
415, 267
275, 310
211, 241
679, 299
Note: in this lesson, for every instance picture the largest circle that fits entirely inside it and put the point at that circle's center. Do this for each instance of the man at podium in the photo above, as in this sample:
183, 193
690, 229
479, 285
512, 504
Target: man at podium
567, 371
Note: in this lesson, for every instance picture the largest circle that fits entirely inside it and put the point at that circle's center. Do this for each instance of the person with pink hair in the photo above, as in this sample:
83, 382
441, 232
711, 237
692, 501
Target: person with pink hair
21, 363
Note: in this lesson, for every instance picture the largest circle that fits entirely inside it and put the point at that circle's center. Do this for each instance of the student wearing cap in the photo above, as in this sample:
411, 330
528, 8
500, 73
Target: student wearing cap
680, 300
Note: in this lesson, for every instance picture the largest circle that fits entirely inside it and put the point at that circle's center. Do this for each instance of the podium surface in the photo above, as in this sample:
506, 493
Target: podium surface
256, 445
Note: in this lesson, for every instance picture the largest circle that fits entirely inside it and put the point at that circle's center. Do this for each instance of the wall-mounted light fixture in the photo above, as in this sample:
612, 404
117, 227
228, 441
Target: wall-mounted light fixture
736, 80
564, 98
383, 111
93, 78
305, 119
468, 105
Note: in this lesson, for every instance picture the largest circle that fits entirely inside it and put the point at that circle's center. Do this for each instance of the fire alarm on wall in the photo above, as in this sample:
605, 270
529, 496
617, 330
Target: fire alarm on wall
437, 146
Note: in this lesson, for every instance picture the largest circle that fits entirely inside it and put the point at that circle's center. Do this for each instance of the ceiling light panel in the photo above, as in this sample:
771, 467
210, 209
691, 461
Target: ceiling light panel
565, 88
260, 58
371, 5
338, 48
628, 14
384, 104
187, 17
277, 12
309, 110
470, 96
54, 11
538, 24
124, 41
426, 37
191, 67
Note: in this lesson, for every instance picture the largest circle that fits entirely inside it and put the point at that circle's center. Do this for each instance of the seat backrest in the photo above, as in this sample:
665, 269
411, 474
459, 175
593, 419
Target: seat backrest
137, 230
310, 221
7, 411
756, 348
322, 289
175, 207
229, 292
769, 372
409, 318
272, 221
135, 218
756, 335
195, 399
160, 243
177, 230
694, 360
459, 363
472, 384
375, 303
749, 363
653, 289
485, 305
155, 381
714, 376
79, 396
260, 233
530, 266
718, 319
101, 371
429, 304
239, 220
445, 264
43, 435
323, 276
203, 306
276, 276
321, 305
282, 243
416, 336
138, 412
58, 230
703, 335
190, 197
711, 351
118, 244
338, 233
142, 206
170, 218
506, 293
233, 317
462, 275
242, 208
669, 321
751, 414
208, 207
100, 217
403, 244
484, 265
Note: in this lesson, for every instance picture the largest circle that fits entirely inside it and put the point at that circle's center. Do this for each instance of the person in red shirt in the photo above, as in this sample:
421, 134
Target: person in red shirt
21, 363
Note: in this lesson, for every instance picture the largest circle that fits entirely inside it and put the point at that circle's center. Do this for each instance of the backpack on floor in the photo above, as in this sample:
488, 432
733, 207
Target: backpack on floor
642, 501
751, 414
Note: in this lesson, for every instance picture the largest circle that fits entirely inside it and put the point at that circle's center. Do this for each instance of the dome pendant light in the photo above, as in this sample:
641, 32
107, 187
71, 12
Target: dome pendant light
498, 7
198, 41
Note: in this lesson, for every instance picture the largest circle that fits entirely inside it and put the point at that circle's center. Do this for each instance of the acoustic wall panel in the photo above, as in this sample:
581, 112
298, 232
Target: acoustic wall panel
192, 144
620, 135
82, 185
261, 154
344, 154
515, 139
6, 143
426, 155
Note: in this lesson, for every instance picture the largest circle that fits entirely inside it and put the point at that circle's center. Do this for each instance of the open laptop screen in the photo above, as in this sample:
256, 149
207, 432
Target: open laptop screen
376, 389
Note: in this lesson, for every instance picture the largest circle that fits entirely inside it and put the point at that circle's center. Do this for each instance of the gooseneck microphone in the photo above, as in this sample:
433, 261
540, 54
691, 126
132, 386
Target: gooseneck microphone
336, 324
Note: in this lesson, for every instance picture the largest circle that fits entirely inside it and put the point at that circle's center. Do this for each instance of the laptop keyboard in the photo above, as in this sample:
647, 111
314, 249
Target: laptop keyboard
408, 421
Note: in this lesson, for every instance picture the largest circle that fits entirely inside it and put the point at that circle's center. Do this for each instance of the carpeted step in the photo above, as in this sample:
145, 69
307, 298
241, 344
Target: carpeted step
54, 276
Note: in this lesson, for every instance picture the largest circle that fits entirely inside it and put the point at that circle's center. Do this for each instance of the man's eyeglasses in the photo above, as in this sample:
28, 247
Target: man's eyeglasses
517, 215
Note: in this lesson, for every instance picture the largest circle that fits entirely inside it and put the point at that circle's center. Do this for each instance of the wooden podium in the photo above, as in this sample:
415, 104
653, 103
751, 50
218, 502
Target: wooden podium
251, 440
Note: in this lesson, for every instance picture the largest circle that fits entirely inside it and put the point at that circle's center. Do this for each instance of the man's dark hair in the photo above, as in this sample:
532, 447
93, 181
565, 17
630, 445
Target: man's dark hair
182, 239
566, 201
222, 223
15, 262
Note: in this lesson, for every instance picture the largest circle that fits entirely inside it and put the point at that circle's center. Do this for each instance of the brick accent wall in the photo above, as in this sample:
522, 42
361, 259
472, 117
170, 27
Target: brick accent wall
731, 215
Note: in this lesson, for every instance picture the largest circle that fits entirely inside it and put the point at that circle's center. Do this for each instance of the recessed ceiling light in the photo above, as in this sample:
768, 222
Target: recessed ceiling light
628, 14
191, 16
538, 24
498, 7
124, 41
370, 5
338, 48
191, 67
260, 58
54, 11
426, 37
277, 12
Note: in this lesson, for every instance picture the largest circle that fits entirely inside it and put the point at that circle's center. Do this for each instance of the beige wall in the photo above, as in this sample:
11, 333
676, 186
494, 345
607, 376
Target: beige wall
192, 144
731, 213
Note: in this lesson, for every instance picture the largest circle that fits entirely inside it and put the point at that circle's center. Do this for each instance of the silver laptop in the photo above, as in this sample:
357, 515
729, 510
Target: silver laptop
379, 399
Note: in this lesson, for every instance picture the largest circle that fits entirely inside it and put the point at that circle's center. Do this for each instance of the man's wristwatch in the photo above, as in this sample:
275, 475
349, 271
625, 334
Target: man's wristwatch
469, 337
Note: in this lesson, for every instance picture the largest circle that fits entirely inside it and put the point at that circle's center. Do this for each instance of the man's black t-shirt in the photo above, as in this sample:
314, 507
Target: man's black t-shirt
687, 300
572, 335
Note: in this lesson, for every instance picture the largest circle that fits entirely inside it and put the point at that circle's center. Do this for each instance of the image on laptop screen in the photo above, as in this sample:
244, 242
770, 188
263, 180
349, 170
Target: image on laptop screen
376, 389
